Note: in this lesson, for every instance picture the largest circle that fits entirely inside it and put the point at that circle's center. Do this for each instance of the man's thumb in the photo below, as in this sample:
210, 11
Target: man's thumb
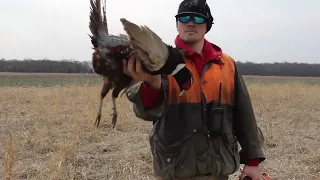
243, 176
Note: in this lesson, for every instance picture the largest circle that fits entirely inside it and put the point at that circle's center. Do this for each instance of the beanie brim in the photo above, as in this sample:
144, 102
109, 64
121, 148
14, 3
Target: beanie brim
191, 13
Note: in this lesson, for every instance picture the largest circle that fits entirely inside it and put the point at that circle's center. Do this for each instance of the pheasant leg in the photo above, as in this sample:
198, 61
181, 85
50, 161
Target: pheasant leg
97, 122
115, 93
104, 91
115, 114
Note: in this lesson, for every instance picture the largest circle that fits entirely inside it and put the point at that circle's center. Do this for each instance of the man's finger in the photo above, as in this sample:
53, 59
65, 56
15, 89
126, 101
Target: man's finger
124, 66
131, 67
242, 176
138, 66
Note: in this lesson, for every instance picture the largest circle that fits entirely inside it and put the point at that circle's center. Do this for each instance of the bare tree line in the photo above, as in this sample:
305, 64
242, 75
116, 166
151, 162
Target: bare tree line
280, 69
73, 66
45, 66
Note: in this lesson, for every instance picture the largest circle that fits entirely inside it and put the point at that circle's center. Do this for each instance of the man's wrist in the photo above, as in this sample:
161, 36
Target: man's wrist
253, 162
154, 83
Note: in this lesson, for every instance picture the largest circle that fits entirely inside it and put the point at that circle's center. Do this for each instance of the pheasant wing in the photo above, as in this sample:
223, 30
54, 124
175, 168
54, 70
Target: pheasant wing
152, 51
157, 57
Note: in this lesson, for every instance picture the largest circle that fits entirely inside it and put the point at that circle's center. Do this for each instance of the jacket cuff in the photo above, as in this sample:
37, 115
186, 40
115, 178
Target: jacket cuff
134, 95
150, 98
257, 154
253, 162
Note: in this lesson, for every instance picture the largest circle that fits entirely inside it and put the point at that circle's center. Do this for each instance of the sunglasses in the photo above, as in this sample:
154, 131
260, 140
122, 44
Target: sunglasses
196, 19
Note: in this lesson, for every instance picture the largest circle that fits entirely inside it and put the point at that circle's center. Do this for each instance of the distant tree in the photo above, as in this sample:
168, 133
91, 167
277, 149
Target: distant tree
73, 66
45, 66
279, 69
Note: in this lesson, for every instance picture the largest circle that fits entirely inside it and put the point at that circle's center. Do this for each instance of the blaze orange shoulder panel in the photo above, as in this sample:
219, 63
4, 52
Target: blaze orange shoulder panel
215, 75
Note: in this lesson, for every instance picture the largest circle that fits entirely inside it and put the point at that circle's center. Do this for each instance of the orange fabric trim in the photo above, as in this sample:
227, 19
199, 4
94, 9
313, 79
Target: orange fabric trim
215, 75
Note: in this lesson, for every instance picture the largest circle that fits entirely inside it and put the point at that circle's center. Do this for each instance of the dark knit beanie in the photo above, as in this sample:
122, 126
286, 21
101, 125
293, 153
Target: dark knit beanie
196, 7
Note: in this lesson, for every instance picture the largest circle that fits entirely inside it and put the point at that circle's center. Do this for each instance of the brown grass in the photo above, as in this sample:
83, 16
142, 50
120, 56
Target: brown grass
53, 136
8, 163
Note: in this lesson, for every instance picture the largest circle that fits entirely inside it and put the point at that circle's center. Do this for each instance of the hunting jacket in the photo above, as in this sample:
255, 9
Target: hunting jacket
196, 133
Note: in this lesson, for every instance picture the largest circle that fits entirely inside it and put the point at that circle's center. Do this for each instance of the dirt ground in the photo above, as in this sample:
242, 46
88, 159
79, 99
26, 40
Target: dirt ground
53, 136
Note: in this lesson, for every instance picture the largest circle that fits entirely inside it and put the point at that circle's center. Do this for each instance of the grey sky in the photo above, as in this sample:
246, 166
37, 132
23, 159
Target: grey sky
248, 30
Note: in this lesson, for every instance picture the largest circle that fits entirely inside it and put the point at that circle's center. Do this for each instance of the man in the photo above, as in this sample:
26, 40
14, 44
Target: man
195, 133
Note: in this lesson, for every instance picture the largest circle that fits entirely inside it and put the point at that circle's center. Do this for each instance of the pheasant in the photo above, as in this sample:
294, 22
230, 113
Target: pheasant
140, 41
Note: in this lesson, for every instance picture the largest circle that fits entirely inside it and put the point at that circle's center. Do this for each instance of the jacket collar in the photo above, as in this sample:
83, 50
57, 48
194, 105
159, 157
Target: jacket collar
210, 51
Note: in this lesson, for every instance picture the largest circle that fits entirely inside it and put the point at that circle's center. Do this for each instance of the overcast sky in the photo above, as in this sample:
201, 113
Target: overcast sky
248, 30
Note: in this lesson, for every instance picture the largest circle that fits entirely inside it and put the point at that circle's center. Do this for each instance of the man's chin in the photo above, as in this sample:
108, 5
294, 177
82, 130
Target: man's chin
190, 34
189, 39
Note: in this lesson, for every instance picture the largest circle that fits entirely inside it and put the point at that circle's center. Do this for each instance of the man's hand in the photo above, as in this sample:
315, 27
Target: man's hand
252, 171
133, 69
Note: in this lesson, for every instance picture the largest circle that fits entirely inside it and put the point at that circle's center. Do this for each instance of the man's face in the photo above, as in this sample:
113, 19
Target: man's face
191, 32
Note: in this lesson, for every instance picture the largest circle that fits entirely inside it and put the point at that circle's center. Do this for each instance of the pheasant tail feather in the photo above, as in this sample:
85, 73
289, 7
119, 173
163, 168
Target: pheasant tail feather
98, 23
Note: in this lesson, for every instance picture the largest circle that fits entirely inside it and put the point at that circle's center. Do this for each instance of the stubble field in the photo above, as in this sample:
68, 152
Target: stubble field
47, 132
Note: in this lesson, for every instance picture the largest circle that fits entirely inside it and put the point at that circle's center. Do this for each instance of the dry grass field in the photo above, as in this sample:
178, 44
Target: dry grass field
47, 132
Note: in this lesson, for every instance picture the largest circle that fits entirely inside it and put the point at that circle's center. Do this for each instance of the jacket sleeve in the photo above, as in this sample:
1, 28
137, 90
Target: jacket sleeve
245, 123
150, 98
156, 112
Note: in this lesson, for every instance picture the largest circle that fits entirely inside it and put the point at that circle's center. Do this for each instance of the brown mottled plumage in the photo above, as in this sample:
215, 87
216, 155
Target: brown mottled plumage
110, 50
107, 57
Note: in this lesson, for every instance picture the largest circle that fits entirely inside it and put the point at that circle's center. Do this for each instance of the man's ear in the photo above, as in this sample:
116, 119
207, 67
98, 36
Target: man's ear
177, 25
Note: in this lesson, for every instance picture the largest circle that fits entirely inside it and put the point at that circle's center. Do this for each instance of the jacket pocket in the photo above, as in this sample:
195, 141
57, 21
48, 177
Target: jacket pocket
216, 120
173, 161
225, 149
